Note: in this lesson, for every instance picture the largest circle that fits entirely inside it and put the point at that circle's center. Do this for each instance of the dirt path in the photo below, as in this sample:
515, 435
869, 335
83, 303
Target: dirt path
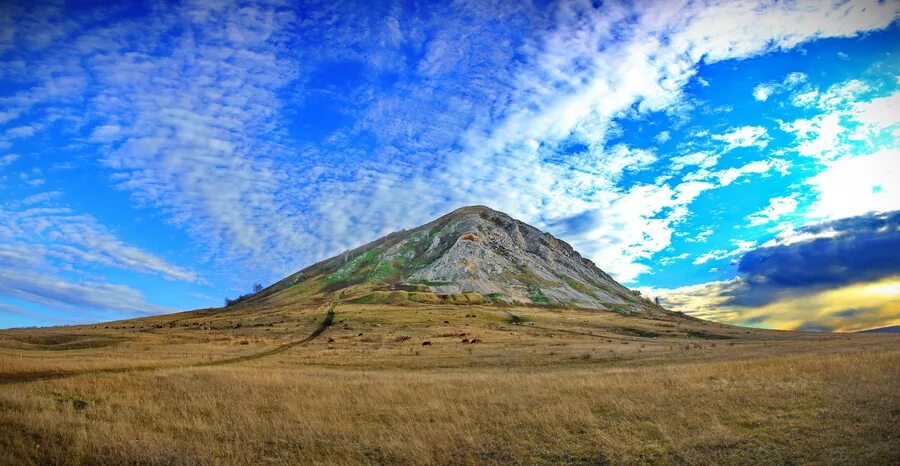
7, 379
329, 319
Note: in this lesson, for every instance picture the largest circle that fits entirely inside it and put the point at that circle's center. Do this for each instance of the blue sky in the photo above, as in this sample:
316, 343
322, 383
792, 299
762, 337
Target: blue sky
161, 156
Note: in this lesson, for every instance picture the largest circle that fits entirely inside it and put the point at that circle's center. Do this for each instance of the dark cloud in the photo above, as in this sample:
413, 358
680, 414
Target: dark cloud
814, 328
849, 313
891, 329
846, 251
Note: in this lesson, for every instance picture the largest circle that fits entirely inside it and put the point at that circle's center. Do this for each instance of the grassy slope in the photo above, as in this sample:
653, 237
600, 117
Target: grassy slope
542, 386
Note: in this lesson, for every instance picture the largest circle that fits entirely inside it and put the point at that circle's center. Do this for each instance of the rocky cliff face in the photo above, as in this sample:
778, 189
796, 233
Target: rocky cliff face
473, 254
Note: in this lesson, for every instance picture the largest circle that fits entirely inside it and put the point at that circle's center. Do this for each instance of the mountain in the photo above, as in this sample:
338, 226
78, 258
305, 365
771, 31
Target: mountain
471, 255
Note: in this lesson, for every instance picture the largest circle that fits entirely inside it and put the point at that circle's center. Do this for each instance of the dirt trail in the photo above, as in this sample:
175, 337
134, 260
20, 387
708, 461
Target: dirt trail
329, 319
6, 379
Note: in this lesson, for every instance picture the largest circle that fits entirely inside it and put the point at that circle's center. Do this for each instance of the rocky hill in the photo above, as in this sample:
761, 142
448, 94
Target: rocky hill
471, 255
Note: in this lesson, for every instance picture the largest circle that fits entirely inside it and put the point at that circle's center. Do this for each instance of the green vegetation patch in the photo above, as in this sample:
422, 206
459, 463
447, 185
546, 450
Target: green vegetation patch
383, 297
707, 335
385, 271
612, 291
404, 297
578, 286
617, 307
537, 296
639, 332
515, 319
357, 270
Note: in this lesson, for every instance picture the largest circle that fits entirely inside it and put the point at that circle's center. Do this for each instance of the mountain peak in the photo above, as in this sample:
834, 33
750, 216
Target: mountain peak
473, 254
475, 208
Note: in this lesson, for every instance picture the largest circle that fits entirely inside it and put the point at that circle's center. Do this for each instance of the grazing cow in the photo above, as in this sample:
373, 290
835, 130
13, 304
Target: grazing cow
426, 343
465, 340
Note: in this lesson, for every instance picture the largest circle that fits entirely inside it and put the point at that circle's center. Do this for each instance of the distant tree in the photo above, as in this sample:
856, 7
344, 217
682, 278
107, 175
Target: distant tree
257, 287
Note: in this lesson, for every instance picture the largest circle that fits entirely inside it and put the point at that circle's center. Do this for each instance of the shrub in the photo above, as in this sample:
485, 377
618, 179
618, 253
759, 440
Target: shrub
256, 289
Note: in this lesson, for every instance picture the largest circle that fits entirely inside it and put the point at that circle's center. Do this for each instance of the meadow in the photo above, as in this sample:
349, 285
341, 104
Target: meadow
443, 384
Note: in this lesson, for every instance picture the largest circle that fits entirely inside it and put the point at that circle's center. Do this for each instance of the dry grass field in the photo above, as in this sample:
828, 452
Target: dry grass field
357, 383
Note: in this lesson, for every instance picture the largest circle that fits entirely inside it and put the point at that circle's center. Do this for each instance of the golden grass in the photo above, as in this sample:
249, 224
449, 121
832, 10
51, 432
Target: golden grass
571, 387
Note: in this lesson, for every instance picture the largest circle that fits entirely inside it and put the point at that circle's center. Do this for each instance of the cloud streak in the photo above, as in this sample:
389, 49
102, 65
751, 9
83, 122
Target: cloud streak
47, 251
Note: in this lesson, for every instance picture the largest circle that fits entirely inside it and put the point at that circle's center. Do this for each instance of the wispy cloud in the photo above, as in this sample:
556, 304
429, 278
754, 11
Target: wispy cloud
84, 296
745, 136
763, 91
46, 251
72, 238
739, 248
778, 207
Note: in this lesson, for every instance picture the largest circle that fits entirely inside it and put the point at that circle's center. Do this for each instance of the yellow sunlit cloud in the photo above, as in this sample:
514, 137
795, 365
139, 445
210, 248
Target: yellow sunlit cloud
849, 308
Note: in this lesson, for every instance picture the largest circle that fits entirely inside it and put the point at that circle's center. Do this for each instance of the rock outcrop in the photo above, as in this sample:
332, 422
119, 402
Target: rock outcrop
472, 251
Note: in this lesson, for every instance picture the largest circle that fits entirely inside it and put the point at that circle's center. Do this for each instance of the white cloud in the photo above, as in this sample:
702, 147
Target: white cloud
741, 246
788, 235
745, 136
8, 159
672, 259
31, 178
709, 300
699, 159
763, 91
793, 79
857, 184
106, 133
778, 207
20, 132
701, 236
727, 176
818, 136
877, 115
